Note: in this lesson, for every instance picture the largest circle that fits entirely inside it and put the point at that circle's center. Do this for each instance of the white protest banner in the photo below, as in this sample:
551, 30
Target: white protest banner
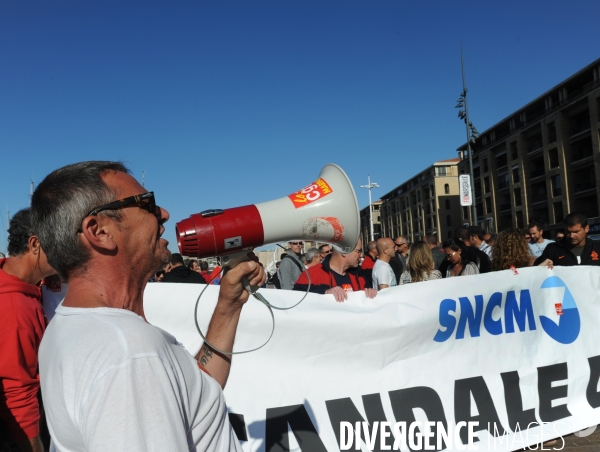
507, 351
464, 185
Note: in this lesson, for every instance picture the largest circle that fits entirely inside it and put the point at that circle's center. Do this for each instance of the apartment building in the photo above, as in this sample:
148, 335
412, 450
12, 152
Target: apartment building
365, 222
426, 204
541, 162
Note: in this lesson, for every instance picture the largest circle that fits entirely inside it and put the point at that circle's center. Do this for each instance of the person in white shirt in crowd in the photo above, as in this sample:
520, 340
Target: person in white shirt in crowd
538, 243
476, 235
110, 380
383, 275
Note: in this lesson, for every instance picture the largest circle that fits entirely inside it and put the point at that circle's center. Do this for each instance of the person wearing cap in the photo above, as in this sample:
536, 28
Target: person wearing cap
338, 274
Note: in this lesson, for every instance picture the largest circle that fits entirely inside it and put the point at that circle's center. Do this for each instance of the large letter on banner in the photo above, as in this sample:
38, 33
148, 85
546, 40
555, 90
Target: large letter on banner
511, 352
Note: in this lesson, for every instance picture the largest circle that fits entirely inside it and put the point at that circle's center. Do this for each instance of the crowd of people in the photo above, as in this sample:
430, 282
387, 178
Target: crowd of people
103, 372
390, 262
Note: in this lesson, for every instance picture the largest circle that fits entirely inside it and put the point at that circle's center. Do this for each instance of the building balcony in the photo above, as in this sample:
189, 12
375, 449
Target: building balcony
539, 199
537, 172
582, 187
536, 146
579, 129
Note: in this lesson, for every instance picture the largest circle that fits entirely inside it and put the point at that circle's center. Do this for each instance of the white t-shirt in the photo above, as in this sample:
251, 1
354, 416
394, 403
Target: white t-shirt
536, 249
52, 297
112, 382
383, 274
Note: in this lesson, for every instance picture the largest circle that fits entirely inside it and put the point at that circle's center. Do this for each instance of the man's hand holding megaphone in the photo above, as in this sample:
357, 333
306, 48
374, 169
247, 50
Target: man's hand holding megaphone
223, 324
324, 211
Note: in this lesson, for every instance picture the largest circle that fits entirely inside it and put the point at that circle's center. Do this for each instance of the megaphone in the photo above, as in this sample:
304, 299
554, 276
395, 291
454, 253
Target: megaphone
324, 211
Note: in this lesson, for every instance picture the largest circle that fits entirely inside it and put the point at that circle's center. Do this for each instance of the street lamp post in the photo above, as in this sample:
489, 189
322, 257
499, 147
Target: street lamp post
370, 185
472, 135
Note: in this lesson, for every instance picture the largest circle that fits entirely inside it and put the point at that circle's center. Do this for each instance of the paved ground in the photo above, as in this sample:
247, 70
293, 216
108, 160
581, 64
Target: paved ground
587, 444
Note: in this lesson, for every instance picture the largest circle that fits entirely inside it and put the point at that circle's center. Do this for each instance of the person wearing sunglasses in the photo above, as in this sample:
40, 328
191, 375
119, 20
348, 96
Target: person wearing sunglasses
459, 259
110, 380
325, 249
291, 265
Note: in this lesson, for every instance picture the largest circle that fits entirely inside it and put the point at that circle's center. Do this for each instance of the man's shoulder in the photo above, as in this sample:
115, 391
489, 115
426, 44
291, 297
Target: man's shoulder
122, 331
368, 263
191, 276
381, 264
287, 260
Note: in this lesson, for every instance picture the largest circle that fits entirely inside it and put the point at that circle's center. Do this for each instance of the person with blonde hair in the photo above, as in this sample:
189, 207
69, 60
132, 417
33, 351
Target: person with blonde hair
420, 265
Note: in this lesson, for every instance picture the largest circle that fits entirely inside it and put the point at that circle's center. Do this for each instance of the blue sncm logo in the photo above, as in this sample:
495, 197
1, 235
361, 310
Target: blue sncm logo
510, 312
569, 323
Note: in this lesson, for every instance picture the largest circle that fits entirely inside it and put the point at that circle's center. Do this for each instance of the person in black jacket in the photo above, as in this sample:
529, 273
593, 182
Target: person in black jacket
397, 262
180, 273
575, 248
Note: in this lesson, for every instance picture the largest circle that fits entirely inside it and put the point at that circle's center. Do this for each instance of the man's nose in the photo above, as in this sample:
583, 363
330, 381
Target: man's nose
164, 215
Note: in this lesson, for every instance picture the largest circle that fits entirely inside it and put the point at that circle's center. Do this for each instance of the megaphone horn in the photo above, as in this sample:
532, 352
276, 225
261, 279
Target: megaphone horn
324, 211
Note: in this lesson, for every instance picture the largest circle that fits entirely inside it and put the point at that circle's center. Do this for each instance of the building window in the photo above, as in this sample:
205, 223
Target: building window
447, 189
442, 171
485, 165
519, 216
447, 204
486, 184
514, 154
517, 195
555, 180
503, 181
448, 220
551, 132
516, 175
488, 205
558, 212
501, 161
553, 158
465, 213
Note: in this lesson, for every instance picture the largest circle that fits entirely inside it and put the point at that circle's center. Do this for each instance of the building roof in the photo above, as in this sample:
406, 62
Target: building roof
575, 77
447, 161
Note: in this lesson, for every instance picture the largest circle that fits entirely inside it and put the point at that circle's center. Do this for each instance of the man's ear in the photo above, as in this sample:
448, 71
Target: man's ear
98, 232
33, 243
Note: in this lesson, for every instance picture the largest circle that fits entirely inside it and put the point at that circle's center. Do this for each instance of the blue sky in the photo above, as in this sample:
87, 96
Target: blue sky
230, 103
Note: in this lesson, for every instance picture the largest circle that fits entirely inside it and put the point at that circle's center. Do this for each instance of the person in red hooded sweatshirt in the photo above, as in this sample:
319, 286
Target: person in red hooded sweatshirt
22, 325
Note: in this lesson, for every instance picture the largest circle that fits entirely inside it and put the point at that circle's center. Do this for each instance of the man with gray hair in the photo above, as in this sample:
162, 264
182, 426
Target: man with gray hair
312, 257
111, 381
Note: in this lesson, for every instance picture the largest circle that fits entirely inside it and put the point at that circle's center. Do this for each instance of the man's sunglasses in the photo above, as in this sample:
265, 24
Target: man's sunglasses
296, 243
144, 201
